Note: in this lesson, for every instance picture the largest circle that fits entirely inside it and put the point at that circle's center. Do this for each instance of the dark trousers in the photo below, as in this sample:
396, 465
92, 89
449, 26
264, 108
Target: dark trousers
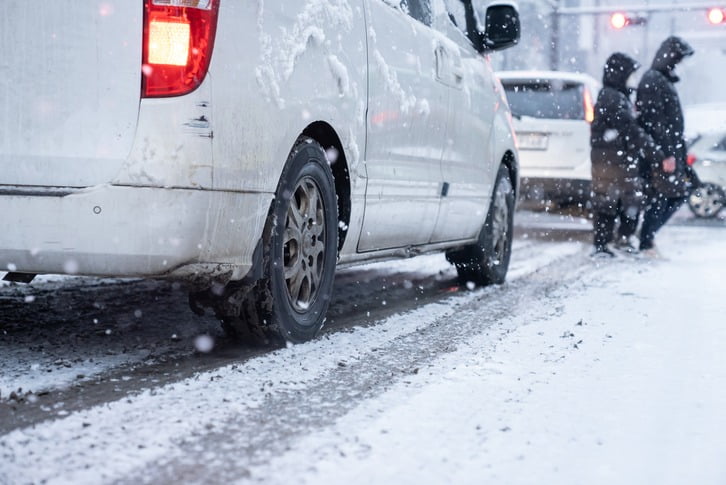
656, 214
604, 224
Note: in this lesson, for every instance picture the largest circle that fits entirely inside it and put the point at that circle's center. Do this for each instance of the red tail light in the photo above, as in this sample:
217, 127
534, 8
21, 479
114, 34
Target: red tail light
691, 159
589, 107
178, 42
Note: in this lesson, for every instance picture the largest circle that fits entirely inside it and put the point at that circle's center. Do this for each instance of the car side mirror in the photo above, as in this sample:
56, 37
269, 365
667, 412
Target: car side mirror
501, 28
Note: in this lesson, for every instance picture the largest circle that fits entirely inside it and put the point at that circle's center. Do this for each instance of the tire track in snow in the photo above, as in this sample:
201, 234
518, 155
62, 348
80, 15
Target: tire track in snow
163, 427
65, 335
363, 296
290, 414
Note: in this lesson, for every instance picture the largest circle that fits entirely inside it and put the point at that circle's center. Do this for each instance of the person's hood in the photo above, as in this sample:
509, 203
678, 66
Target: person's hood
618, 69
672, 51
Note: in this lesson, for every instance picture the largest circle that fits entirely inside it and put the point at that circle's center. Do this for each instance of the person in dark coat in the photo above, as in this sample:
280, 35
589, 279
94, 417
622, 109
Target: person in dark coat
617, 144
661, 116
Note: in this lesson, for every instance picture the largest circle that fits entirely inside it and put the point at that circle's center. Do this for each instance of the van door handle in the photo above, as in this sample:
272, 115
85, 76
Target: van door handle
440, 54
447, 70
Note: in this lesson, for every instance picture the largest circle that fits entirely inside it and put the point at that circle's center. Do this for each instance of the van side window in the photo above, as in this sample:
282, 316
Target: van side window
462, 15
418, 9
457, 14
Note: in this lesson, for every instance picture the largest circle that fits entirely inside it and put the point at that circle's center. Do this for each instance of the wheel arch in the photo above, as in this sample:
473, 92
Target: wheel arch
509, 160
328, 138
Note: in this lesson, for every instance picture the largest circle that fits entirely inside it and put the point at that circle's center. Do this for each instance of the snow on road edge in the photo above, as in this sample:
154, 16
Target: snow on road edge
26, 370
134, 435
622, 384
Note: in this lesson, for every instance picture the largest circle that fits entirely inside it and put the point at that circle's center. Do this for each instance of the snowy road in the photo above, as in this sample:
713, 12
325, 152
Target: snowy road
574, 371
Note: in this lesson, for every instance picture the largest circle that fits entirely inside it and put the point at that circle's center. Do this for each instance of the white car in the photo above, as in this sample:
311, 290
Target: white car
707, 156
705, 126
552, 113
249, 148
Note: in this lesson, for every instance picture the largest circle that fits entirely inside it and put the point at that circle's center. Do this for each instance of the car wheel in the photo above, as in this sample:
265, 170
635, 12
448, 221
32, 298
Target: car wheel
487, 261
300, 250
707, 200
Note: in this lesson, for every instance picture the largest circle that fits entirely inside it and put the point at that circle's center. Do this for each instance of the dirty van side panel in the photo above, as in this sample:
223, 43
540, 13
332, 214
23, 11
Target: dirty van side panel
407, 116
284, 65
70, 76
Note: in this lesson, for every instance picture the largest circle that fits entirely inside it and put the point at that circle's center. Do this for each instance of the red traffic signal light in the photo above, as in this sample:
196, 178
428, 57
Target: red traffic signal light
618, 20
716, 16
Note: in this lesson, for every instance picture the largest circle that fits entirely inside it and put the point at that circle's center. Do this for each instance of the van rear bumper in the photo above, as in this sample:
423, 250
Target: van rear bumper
561, 190
110, 230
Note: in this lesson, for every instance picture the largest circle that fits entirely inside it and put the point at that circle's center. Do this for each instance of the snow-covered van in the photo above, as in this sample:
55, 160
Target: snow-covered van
250, 147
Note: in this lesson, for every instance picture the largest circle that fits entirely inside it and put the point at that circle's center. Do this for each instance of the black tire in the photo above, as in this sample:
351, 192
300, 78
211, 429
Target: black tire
487, 261
707, 200
300, 251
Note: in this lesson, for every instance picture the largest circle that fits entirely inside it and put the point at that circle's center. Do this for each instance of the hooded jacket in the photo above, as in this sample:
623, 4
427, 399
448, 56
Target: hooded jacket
661, 116
617, 141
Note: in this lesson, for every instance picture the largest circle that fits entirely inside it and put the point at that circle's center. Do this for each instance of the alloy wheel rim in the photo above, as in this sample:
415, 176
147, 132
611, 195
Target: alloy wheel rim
303, 244
500, 221
706, 201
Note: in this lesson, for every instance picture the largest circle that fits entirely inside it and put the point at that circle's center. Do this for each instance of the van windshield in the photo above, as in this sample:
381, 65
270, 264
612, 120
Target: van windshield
551, 99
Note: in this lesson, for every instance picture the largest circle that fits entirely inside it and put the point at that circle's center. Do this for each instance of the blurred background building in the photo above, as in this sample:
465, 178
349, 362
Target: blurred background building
566, 35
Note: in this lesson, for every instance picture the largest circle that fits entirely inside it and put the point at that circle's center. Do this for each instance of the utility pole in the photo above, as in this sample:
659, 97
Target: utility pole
596, 28
554, 34
555, 40
646, 28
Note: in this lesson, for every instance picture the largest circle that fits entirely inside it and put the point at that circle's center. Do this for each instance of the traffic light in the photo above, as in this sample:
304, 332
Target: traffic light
716, 15
619, 20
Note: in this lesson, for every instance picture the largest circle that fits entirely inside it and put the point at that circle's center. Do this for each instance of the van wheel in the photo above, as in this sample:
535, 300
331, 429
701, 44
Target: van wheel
300, 251
487, 261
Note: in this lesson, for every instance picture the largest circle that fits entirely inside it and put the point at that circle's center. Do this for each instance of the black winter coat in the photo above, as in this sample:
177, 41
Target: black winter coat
617, 141
661, 116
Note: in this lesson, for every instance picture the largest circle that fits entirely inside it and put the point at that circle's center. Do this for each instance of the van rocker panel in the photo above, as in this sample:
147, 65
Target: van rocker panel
89, 232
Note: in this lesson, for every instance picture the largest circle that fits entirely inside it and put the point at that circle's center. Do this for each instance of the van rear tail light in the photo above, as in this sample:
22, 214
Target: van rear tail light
178, 43
691, 159
589, 106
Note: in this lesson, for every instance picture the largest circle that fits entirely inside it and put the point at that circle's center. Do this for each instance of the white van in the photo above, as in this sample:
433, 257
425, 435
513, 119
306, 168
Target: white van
250, 147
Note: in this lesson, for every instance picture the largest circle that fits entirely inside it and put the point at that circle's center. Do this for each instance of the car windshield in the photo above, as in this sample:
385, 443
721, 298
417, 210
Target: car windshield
552, 99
